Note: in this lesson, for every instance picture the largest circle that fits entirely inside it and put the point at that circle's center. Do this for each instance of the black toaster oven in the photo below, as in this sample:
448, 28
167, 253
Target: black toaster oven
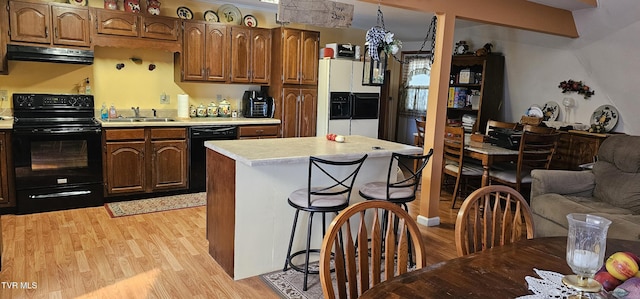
258, 107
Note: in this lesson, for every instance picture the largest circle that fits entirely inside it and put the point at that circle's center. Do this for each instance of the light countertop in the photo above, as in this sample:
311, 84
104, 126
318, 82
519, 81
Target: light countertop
196, 121
6, 123
257, 152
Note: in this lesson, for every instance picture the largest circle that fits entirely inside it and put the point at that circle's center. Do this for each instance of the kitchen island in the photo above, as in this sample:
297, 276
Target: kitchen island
248, 183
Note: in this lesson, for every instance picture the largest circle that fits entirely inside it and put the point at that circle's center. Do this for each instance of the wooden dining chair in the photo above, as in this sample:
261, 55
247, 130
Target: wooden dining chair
353, 246
535, 152
492, 216
538, 129
454, 163
500, 124
420, 126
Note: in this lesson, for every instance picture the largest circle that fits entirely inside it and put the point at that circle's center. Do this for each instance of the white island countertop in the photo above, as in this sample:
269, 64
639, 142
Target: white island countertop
258, 152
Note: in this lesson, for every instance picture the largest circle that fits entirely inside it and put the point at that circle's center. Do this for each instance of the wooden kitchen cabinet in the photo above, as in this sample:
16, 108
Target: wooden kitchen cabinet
7, 195
4, 29
131, 30
128, 169
258, 131
576, 148
250, 55
49, 23
299, 112
205, 52
299, 50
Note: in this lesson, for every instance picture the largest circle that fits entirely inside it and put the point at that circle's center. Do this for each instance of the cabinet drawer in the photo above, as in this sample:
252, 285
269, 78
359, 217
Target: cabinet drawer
116, 23
168, 133
124, 134
257, 131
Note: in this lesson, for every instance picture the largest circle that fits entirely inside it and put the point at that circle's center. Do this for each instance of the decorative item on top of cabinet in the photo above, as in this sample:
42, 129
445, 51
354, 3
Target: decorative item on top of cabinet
153, 7
205, 52
111, 4
250, 55
49, 23
132, 6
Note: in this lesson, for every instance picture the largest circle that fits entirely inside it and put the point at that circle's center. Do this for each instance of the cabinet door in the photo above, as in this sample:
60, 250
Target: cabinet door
4, 23
168, 165
240, 54
193, 51
125, 166
260, 55
307, 112
4, 183
309, 57
70, 26
583, 150
29, 22
291, 49
289, 121
116, 23
217, 53
159, 27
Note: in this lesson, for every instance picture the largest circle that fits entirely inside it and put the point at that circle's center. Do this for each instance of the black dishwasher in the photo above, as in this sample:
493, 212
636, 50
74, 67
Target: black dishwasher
197, 137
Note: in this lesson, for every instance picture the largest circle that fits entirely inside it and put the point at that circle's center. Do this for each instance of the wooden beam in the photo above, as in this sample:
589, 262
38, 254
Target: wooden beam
519, 14
436, 120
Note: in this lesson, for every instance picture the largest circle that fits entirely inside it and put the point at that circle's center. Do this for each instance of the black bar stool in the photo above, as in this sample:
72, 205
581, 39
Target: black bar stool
331, 197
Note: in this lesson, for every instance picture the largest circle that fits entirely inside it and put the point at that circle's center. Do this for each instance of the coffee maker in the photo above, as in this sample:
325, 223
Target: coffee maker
255, 104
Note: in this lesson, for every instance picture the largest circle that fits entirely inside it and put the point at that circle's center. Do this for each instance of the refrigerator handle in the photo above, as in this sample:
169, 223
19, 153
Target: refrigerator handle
352, 106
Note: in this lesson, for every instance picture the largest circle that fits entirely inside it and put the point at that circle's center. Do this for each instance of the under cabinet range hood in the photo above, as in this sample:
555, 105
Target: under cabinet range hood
44, 54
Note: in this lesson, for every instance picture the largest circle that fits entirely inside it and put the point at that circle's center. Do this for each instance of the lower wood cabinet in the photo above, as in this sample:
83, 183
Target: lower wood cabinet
7, 196
576, 148
299, 111
258, 131
144, 160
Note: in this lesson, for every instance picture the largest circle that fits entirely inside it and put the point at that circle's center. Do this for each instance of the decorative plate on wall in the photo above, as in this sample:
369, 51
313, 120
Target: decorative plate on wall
211, 16
78, 2
184, 13
230, 14
535, 110
606, 116
250, 21
550, 111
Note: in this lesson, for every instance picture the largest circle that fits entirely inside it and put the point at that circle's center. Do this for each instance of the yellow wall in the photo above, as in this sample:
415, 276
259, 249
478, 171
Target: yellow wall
135, 85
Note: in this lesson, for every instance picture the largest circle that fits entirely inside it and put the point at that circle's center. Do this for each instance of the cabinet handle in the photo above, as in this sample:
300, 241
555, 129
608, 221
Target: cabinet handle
55, 32
145, 27
46, 31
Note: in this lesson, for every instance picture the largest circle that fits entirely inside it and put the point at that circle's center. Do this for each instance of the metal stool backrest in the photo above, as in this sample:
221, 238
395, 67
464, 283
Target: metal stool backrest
406, 164
339, 182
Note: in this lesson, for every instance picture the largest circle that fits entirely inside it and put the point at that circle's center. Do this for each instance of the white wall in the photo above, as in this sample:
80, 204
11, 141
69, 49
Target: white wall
602, 57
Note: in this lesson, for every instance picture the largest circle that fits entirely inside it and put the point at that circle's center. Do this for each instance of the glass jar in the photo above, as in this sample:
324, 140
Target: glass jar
193, 112
224, 109
212, 110
201, 111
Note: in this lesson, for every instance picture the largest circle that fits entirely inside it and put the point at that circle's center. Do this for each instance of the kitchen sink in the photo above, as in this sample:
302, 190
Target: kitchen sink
139, 119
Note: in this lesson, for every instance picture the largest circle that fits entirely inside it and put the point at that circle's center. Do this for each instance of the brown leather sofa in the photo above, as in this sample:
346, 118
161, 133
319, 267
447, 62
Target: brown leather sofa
611, 190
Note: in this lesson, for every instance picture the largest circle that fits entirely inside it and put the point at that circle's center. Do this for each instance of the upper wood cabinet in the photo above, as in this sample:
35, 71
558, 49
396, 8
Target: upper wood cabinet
250, 55
130, 30
111, 22
299, 50
4, 29
205, 52
49, 24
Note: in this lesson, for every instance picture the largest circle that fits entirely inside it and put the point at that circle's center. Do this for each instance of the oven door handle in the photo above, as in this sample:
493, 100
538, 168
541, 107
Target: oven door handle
55, 131
60, 194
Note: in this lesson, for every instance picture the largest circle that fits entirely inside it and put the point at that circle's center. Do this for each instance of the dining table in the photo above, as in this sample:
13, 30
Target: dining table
488, 154
498, 272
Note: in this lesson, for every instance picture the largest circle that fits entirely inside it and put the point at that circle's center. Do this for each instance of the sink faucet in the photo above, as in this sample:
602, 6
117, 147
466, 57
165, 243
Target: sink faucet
155, 112
136, 111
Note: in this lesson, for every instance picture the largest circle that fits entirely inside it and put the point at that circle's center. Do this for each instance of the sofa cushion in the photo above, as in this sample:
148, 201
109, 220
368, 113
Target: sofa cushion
626, 227
617, 172
555, 207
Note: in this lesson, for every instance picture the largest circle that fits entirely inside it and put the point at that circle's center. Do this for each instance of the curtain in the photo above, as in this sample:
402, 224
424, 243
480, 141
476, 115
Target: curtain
416, 72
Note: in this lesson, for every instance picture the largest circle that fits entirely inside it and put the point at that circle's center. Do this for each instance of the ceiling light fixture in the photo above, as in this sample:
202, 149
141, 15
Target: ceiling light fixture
270, 1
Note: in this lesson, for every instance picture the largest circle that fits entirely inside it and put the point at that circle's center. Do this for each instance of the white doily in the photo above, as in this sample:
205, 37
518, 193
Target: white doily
549, 286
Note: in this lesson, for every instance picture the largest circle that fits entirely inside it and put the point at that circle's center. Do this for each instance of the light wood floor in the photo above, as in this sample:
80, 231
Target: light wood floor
84, 253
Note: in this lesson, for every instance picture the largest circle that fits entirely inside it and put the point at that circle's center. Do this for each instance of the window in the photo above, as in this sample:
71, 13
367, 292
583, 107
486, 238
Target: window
414, 91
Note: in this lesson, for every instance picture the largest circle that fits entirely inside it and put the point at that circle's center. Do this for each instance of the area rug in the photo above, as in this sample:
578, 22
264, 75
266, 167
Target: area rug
156, 204
288, 284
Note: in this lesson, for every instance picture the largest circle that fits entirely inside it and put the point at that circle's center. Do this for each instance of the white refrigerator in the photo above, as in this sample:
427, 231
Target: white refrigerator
342, 76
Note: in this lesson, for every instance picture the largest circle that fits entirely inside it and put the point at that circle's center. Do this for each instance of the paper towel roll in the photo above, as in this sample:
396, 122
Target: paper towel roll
183, 105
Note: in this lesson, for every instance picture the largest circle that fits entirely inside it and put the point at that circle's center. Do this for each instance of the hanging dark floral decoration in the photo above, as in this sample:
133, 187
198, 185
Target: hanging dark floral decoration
576, 86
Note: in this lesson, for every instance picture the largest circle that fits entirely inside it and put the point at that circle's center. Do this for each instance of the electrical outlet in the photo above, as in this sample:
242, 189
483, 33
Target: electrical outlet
4, 95
165, 98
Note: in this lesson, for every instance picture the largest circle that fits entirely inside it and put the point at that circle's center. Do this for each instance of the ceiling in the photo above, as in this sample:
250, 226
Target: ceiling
408, 25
